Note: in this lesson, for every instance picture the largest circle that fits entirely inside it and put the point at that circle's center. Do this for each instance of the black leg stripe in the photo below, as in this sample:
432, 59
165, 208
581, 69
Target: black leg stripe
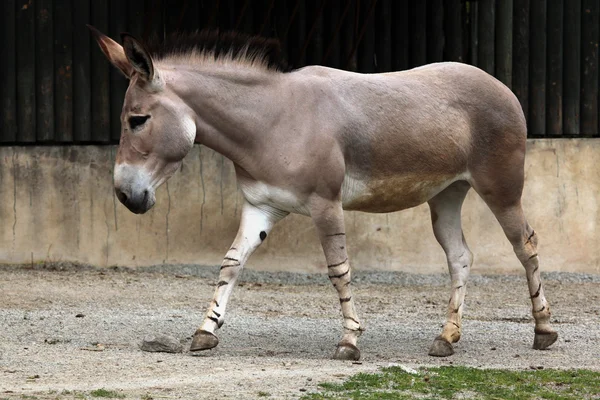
533, 256
458, 287
338, 264
229, 266
232, 259
216, 321
345, 299
538, 291
337, 234
222, 283
530, 236
216, 303
340, 275
352, 319
541, 309
216, 313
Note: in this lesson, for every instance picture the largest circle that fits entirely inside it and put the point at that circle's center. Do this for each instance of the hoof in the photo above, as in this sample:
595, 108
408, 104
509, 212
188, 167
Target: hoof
347, 351
203, 340
543, 340
441, 348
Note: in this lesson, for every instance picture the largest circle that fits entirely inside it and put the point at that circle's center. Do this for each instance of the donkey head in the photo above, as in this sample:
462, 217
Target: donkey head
157, 127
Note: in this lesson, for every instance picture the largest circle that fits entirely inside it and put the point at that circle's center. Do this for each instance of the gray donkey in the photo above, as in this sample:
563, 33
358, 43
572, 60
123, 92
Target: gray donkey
317, 141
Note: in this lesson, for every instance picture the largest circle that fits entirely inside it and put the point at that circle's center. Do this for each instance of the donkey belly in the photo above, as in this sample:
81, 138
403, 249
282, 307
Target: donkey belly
393, 193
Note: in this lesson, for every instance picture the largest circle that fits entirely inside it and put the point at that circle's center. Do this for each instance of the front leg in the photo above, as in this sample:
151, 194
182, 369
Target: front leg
255, 225
328, 217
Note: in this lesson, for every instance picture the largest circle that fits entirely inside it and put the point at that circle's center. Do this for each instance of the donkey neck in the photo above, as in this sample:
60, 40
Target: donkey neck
234, 105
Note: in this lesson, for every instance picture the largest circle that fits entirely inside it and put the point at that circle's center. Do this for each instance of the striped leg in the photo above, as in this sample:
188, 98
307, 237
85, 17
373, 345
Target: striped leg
524, 241
254, 227
445, 216
329, 221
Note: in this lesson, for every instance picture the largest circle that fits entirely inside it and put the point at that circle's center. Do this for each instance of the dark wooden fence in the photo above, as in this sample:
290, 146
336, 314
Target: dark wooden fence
56, 86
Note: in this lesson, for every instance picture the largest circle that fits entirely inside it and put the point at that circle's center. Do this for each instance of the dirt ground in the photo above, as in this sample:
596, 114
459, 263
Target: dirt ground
79, 329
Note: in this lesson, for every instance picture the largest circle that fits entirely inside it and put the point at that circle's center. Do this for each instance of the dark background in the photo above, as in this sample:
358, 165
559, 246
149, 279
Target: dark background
57, 87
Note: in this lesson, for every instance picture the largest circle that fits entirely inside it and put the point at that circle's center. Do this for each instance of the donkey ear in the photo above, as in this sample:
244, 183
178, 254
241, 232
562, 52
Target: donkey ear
138, 57
113, 51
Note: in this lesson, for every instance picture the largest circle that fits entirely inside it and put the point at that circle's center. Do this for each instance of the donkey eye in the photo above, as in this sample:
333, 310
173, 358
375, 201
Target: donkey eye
137, 121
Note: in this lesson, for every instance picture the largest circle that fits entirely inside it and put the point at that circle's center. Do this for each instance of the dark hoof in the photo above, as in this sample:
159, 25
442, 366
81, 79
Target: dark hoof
347, 351
203, 340
441, 348
544, 340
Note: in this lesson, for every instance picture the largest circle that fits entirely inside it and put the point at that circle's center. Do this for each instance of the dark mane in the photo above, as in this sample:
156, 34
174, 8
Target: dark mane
216, 45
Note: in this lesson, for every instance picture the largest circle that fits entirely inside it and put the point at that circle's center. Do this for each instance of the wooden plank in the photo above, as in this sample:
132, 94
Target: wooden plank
366, 46
297, 35
554, 95
135, 17
520, 78
589, 56
154, 19
118, 83
26, 113
418, 32
282, 19
245, 18
188, 18
227, 12
572, 67
263, 16
8, 72
314, 47
486, 35
400, 35
348, 38
435, 30
82, 100
44, 71
453, 37
100, 74
333, 15
383, 38
63, 67
537, 68
504, 41
473, 15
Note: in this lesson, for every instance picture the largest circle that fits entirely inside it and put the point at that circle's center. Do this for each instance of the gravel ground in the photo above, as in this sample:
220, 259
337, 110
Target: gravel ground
78, 328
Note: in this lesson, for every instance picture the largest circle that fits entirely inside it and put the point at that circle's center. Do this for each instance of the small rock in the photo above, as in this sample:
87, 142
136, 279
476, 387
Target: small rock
161, 343
309, 379
493, 348
79, 315
517, 356
567, 340
302, 389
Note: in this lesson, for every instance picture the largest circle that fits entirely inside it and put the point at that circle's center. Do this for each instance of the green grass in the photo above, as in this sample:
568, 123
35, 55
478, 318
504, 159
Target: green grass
106, 393
264, 394
464, 382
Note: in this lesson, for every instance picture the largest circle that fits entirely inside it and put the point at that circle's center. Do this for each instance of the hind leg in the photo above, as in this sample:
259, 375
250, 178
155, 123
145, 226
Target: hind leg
445, 217
524, 241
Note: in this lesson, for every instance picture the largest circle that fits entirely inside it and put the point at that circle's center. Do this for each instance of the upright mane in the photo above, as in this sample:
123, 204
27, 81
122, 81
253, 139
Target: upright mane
216, 46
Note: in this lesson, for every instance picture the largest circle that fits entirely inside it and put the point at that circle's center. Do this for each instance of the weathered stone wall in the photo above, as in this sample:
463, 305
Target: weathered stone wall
57, 204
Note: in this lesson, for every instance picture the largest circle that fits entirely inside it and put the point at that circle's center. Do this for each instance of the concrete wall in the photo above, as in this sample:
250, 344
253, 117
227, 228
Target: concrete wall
57, 204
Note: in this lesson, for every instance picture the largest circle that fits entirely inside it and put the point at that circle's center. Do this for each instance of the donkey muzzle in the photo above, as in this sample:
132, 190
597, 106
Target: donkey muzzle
132, 188
138, 202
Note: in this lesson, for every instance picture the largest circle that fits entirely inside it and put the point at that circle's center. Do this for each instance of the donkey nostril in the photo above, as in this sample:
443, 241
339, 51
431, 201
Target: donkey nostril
121, 196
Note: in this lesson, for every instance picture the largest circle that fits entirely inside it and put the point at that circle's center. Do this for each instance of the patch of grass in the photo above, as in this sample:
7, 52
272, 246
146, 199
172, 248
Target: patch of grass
465, 382
106, 393
264, 394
